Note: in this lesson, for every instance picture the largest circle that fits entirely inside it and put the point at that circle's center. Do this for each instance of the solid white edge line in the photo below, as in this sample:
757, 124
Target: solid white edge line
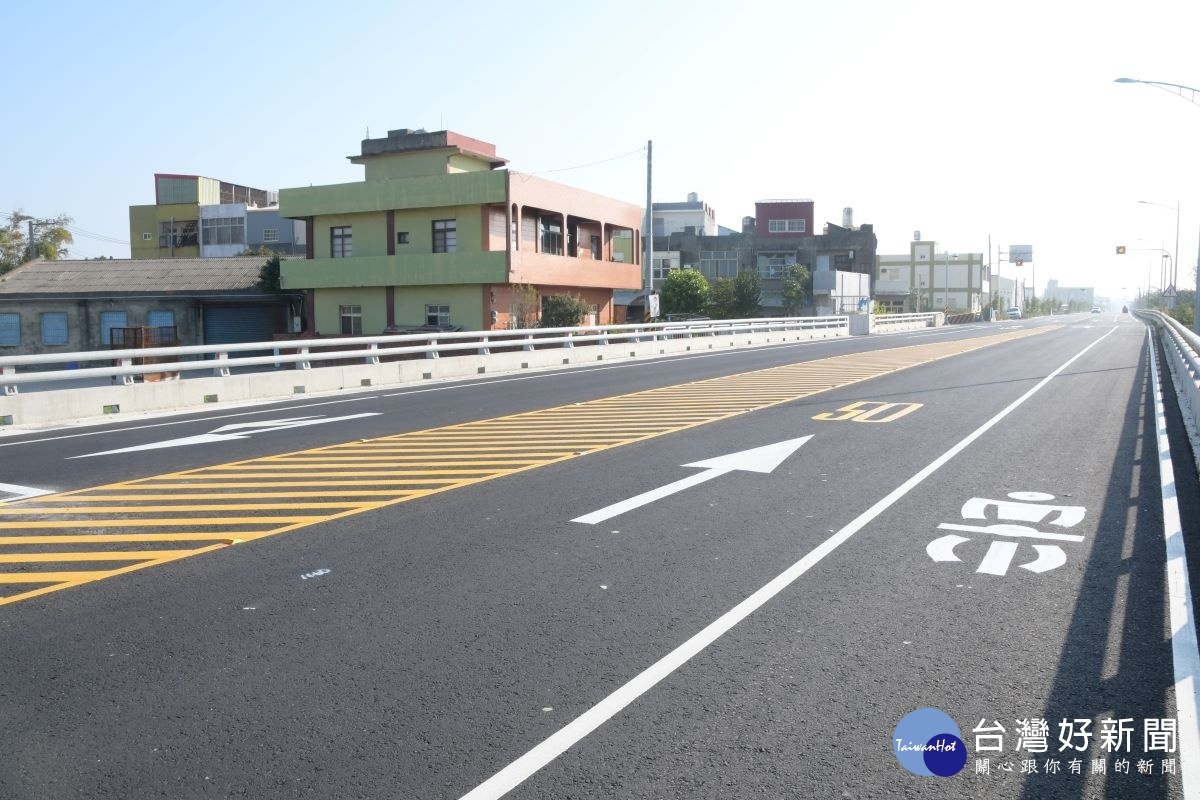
1185, 652
557, 743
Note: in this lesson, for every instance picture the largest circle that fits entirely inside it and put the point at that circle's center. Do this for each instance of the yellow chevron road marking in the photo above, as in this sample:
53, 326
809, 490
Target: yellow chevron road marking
195, 509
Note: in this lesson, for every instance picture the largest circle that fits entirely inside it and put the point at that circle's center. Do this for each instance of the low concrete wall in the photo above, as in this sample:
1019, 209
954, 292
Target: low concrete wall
107, 402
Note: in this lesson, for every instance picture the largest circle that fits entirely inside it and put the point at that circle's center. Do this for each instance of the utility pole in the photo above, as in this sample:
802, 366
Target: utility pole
649, 243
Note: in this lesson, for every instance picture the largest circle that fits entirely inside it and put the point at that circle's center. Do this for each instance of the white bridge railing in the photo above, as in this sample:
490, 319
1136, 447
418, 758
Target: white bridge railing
1182, 348
219, 360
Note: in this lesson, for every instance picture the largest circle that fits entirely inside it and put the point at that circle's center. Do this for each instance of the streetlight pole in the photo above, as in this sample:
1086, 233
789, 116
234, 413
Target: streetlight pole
1178, 90
946, 256
1175, 253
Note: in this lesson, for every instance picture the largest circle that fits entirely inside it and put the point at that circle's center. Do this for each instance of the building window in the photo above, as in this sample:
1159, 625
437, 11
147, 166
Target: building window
341, 244
437, 315
787, 225
147, 237
10, 329
552, 239
181, 233
445, 235
719, 263
270, 234
54, 327
110, 320
664, 265
351, 320
401, 237
160, 319
596, 255
773, 265
224, 230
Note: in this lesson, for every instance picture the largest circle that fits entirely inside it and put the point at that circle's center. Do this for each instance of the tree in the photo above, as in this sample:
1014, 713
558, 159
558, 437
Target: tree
524, 306
794, 288
269, 279
747, 293
720, 299
563, 311
684, 291
50, 239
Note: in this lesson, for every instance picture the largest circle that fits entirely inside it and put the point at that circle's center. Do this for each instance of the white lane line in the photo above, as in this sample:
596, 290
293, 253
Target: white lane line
1184, 648
557, 743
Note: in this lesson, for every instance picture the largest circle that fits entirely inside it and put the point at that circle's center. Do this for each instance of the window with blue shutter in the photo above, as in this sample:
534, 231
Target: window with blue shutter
10, 330
108, 321
54, 328
161, 319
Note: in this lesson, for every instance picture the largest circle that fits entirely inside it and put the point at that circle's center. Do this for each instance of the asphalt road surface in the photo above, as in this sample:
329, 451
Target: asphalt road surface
732, 575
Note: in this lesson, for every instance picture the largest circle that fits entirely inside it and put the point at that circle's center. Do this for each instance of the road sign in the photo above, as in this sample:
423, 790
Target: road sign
226, 433
760, 459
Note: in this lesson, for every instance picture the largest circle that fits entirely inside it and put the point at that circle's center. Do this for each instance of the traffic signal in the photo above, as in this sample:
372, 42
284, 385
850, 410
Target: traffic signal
1120, 249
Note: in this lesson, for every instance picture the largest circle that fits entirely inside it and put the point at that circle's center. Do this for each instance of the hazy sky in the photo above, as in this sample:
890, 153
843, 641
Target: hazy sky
960, 119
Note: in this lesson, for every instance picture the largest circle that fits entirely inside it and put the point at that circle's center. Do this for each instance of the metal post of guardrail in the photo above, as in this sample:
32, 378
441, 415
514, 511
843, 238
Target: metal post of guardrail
221, 370
305, 364
528, 346
485, 350
9, 388
373, 359
432, 353
568, 343
604, 336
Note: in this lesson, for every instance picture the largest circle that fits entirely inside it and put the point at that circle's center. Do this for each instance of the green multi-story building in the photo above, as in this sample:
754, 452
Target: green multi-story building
440, 233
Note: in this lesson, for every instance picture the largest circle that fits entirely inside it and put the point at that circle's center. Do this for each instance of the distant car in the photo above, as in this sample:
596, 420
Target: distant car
1095, 309
1014, 313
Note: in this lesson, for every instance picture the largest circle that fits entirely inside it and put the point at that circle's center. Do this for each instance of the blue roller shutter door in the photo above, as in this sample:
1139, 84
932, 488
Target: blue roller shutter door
232, 324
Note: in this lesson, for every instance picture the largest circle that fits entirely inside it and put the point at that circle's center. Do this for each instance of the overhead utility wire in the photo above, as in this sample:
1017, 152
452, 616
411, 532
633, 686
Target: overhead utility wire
592, 164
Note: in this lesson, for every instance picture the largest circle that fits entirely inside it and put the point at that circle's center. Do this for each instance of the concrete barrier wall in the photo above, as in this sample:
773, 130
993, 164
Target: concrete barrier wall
106, 402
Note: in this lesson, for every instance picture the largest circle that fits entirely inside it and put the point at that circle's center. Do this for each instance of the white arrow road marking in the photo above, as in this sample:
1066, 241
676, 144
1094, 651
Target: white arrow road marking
240, 430
21, 492
760, 459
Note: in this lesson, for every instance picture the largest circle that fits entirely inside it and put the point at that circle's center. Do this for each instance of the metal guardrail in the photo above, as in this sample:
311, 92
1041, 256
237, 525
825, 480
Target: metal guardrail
883, 320
1182, 346
221, 359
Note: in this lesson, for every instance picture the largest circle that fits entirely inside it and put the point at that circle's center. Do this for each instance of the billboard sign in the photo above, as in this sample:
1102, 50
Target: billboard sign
1020, 253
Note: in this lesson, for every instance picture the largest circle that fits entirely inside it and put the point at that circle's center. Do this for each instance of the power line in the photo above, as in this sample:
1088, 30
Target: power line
98, 236
101, 237
592, 164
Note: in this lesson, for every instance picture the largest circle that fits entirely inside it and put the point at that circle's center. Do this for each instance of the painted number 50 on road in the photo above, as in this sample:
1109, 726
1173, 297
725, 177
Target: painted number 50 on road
868, 411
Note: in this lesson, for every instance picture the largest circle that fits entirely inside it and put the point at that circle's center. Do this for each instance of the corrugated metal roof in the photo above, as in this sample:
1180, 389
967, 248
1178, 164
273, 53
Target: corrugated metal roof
133, 276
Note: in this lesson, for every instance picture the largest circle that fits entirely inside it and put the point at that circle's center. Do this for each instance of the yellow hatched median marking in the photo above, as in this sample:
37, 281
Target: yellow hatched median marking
355, 477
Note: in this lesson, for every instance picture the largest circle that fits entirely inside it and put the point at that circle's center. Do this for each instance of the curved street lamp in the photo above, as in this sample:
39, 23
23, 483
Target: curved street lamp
1175, 254
1178, 89
1167, 87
